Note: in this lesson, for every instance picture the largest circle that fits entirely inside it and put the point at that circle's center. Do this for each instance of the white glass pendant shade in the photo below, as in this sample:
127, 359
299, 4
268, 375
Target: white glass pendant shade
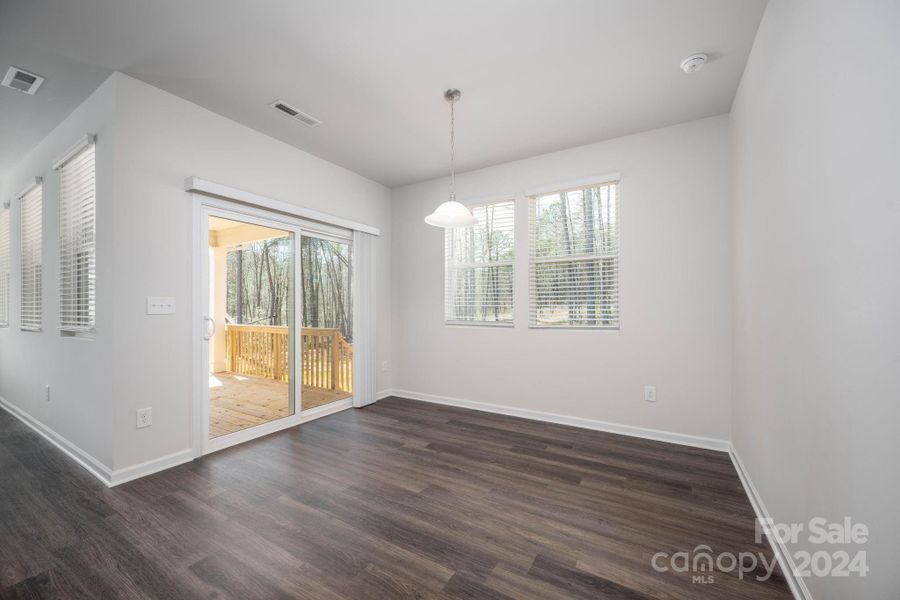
451, 214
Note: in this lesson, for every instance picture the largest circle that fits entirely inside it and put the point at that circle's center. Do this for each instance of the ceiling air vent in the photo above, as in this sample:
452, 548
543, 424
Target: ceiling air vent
22, 81
295, 113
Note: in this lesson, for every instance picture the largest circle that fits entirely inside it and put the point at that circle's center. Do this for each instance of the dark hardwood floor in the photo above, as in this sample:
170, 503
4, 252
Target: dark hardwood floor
398, 500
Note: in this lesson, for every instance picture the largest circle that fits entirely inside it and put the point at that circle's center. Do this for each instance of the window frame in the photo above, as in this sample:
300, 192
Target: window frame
37, 279
65, 279
5, 263
530, 202
448, 232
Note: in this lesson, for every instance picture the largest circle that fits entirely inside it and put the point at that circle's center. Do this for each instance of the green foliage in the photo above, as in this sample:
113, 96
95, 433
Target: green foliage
260, 279
264, 270
477, 288
575, 247
327, 275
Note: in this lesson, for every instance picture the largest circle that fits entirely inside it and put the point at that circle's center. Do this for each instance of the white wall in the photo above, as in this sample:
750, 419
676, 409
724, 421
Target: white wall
816, 142
675, 292
148, 141
77, 370
162, 140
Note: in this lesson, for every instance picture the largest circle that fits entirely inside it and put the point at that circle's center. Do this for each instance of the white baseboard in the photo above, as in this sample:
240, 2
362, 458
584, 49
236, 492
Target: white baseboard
149, 467
537, 415
784, 557
93, 466
384, 394
107, 476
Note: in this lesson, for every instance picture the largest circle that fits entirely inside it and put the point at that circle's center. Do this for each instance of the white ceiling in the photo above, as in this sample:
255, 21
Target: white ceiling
536, 76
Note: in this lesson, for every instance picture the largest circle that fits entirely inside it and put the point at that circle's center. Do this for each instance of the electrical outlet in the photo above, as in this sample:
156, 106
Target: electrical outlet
47, 393
160, 305
650, 393
144, 417
384, 366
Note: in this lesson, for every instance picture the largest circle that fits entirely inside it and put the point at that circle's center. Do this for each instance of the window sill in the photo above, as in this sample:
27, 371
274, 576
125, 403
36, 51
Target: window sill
77, 335
478, 325
614, 329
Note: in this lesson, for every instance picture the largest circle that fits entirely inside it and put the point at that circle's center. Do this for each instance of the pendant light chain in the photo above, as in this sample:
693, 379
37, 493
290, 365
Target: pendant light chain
452, 151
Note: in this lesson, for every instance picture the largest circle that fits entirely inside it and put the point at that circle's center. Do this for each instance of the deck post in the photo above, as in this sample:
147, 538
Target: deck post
276, 356
335, 357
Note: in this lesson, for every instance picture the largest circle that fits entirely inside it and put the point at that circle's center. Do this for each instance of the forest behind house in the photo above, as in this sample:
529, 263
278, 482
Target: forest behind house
260, 279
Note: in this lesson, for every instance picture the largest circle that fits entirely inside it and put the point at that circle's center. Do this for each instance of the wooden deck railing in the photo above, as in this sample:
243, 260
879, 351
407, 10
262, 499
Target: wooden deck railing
263, 351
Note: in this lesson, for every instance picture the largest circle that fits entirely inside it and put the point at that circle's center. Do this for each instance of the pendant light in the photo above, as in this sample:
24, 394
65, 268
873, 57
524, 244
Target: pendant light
451, 213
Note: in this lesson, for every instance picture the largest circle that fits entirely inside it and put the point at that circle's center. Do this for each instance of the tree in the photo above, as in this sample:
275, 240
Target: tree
260, 278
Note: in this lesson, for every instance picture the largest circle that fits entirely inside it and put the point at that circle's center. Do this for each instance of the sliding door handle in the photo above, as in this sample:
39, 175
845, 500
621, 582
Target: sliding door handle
210, 331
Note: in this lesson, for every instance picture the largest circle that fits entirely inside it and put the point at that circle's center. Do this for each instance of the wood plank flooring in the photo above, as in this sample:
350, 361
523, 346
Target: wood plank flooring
401, 499
237, 402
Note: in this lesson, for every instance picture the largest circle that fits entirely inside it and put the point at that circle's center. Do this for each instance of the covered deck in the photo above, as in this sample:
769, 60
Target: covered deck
250, 365
237, 402
253, 388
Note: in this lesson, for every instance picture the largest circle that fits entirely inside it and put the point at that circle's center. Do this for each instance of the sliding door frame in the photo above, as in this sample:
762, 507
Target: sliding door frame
202, 207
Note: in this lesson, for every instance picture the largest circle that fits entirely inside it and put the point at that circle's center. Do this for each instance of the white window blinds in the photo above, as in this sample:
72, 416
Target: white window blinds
31, 204
4, 267
478, 286
574, 257
77, 249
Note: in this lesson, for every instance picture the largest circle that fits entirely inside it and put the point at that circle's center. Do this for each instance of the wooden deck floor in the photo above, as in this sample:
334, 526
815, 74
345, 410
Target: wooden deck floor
237, 402
400, 499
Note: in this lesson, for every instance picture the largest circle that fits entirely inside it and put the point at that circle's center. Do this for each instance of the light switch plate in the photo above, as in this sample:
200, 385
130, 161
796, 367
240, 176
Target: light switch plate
160, 305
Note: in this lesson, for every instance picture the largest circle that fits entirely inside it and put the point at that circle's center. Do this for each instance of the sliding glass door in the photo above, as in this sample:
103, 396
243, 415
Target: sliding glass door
250, 322
277, 318
327, 320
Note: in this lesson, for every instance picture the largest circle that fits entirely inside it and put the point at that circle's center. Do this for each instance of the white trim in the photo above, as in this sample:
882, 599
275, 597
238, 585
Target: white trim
202, 186
364, 335
120, 476
385, 394
93, 466
785, 560
82, 143
198, 432
239, 437
34, 183
205, 207
482, 200
111, 478
479, 324
537, 415
570, 185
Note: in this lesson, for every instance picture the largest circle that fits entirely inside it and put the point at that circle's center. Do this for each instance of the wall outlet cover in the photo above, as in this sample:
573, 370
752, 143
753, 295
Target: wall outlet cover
144, 417
650, 393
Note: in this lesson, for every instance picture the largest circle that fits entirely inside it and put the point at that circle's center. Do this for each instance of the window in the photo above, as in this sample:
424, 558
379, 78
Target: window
4, 267
574, 257
478, 286
31, 258
77, 250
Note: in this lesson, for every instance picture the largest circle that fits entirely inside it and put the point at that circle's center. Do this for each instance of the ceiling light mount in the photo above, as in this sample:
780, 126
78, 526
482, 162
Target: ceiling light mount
694, 63
451, 213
